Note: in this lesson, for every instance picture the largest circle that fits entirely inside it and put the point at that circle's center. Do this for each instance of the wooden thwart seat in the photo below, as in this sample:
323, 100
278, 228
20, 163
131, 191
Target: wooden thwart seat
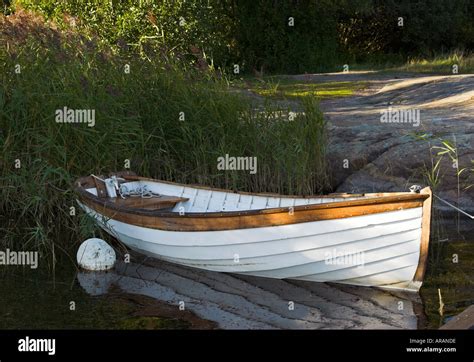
152, 203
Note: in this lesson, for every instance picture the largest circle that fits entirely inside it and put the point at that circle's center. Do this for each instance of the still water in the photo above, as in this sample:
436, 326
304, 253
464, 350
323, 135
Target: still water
151, 294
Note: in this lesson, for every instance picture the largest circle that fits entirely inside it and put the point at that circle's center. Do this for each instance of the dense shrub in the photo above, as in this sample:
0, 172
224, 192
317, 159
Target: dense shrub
287, 36
371, 30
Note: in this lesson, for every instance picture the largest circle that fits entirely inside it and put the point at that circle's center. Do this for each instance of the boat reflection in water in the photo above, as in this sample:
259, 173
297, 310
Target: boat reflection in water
246, 302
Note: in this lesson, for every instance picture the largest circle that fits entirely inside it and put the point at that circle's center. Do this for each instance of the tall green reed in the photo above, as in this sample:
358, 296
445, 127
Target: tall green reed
169, 123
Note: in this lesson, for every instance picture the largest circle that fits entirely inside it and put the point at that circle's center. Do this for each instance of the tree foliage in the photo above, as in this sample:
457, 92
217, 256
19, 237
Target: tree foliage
291, 36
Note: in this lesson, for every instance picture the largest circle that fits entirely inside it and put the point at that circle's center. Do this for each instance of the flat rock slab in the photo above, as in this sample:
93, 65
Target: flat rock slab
465, 320
368, 155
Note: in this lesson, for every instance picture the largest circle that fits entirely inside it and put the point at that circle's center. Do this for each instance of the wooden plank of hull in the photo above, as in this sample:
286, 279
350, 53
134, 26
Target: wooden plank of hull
233, 220
400, 240
365, 238
373, 274
374, 260
217, 245
355, 252
394, 220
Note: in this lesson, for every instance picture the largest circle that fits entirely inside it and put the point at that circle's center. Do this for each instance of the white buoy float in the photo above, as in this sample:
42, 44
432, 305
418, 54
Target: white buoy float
95, 254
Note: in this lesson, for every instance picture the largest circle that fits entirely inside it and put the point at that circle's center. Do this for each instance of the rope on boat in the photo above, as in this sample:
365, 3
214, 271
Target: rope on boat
454, 207
141, 191
417, 188
123, 190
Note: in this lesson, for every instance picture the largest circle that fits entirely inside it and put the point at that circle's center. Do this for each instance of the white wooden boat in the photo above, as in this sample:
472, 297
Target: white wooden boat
378, 239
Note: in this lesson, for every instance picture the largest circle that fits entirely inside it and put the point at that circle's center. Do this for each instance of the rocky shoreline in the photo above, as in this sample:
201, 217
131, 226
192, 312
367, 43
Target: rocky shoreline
390, 156
368, 154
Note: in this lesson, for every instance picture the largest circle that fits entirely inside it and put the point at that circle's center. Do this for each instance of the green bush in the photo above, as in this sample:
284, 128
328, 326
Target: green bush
291, 37
370, 31
256, 33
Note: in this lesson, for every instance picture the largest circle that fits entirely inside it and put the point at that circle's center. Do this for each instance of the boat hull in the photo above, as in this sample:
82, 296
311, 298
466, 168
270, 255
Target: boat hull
380, 249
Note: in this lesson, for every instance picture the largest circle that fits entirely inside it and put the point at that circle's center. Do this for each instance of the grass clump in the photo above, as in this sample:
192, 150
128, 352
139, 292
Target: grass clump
168, 123
295, 89
442, 64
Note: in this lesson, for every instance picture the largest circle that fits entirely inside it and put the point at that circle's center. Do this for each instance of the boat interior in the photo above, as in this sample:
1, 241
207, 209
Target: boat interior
147, 194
